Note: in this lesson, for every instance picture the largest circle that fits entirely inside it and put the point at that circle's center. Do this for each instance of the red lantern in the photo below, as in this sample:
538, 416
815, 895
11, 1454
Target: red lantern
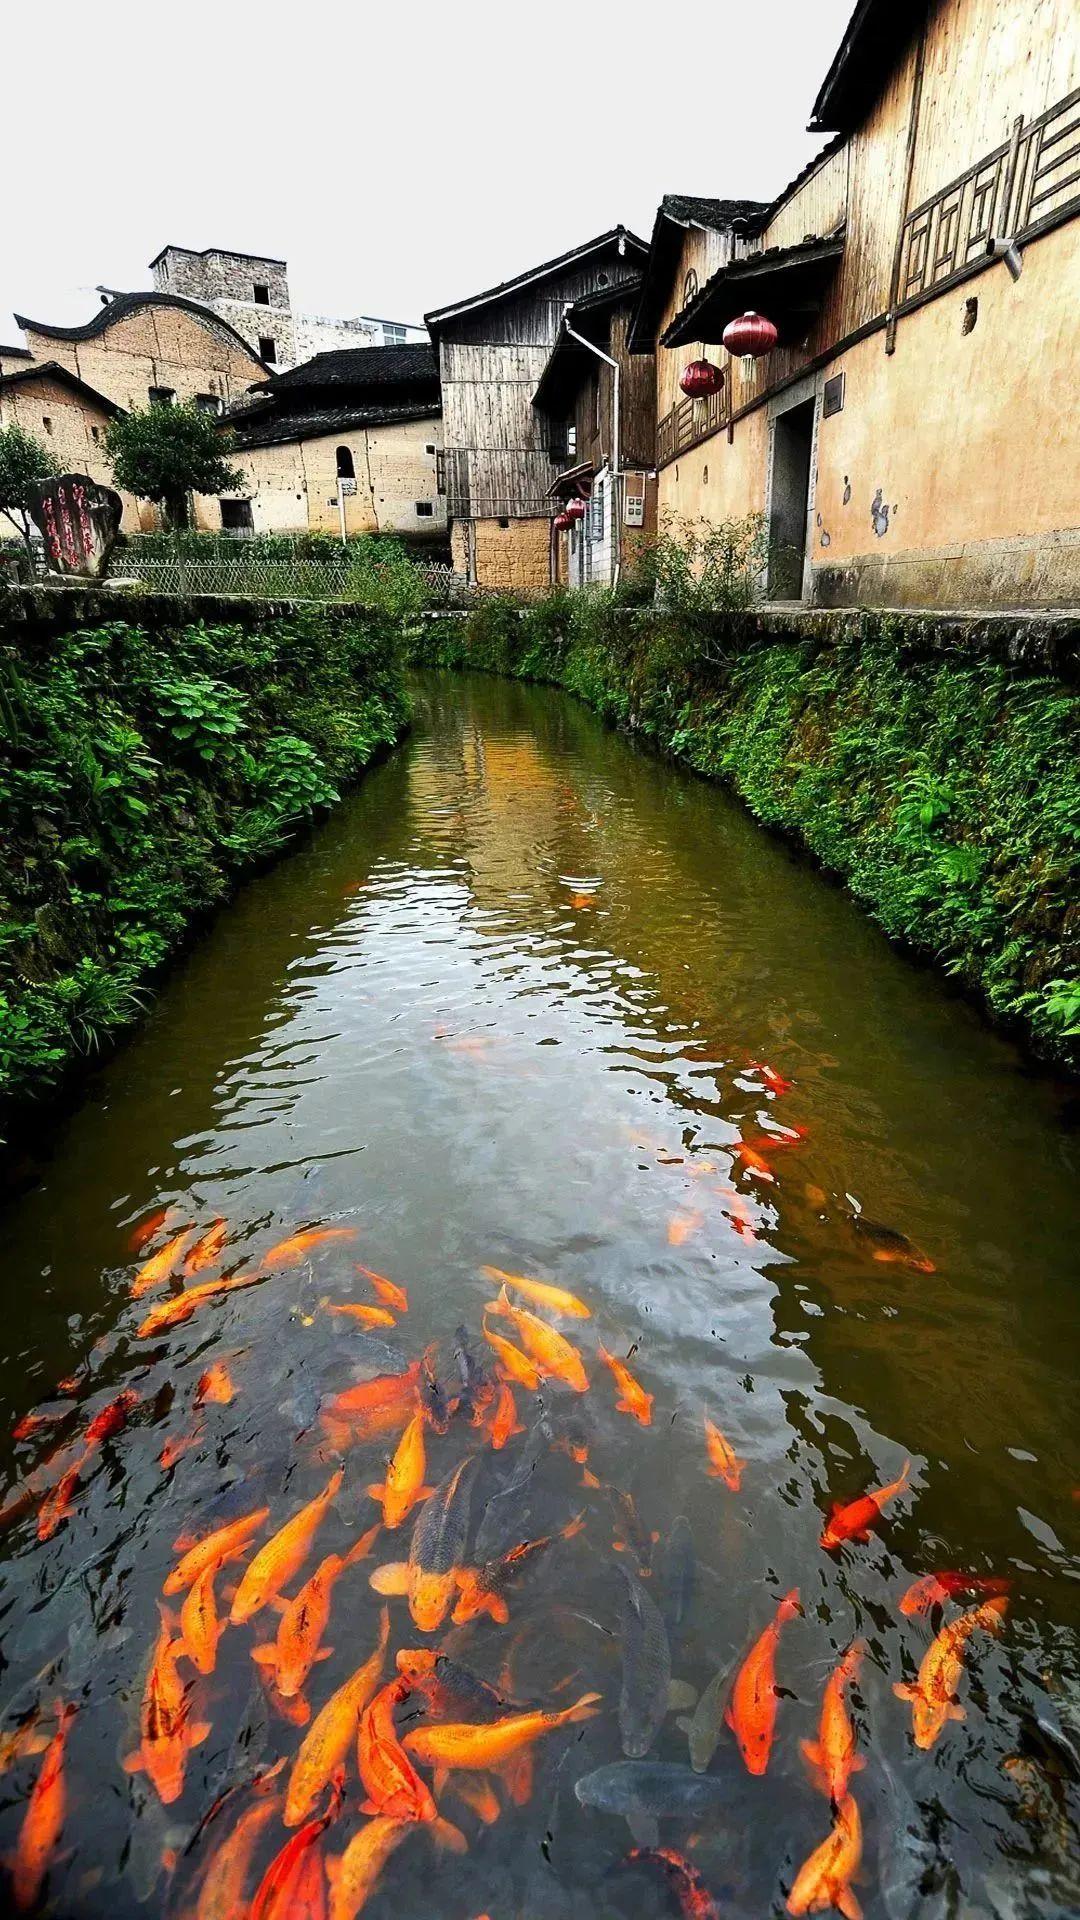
561, 522
750, 336
575, 509
701, 378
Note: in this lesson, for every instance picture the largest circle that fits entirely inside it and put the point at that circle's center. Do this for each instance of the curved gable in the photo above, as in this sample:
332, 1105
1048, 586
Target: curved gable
126, 305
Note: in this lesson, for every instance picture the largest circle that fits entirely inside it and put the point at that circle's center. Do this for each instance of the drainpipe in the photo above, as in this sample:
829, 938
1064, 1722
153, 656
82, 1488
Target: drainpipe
615, 476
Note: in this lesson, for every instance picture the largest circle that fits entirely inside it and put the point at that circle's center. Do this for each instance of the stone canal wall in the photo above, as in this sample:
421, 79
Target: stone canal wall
932, 763
152, 752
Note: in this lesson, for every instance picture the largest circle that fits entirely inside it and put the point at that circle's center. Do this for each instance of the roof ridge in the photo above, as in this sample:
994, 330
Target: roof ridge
125, 303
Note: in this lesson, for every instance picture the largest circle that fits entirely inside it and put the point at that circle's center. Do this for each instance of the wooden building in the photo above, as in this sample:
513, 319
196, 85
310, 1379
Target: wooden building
498, 463
599, 401
910, 437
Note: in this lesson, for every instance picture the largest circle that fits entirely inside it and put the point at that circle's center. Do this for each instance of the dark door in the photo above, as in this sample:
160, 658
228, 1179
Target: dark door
789, 504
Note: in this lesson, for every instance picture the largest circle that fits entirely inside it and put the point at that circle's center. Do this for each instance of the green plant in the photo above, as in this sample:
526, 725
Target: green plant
289, 778
165, 453
201, 714
23, 461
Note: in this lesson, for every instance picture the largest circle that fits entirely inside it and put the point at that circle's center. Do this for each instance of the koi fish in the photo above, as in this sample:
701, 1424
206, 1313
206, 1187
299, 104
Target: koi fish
449, 1688
166, 1728
332, 1732
516, 1364
482, 1589
738, 1216
225, 1543
160, 1265
637, 1536
391, 1782
43, 1820
682, 1226
38, 1422
933, 1589
773, 1080
724, 1462
142, 1234
753, 1161
200, 1626
404, 1484
751, 1711
283, 1555
175, 1449
777, 1136
932, 1696
112, 1419
436, 1552
832, 1755
305, 1619
389, 1293
479, 1796
294, 1884
226, 1874
206, 1249
354, 1874
503, 1422
891, 1248
824, 1880
58, 1502
459, 1745
554, 1299
646, 1669
853, 1520
634, 1401
180, 1306
294, 1251
377, 1406
695, 1900
215, 1387
552, 1353
29, 1738
434, 1399
365, 1315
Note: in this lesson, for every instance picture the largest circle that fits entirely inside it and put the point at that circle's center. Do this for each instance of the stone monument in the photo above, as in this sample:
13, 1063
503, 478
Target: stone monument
79, 522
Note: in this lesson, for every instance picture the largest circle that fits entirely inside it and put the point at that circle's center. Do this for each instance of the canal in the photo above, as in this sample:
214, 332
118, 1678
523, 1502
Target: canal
535, 1002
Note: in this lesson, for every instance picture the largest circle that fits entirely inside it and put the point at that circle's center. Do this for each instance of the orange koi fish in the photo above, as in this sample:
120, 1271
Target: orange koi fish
753, 1161
775, 1137
43, 1820
377, 1406
470, 1747
294, 1251
635, 1400
142, 1234
38, 1422
389, 1293
305, 1619
853, 1520
773, 1080
933, 1589
175, 1449
751, 1711
824, 1880
200, 1626
111, 1419
167, 1730
283, 1555
933, 1696
354, 1874
554, 1299
57, 1504
226, 1874
366, 1316
29, 1738
404, 1484
180, 1306
215, 1387
214, 1549
332, 1732
294, 1884
695, 1900
479, 1796
832, 1755
682, 1226
482, 1589
503, 1423
160, 1265
724, 1462
890, 1248
516, 1364
551, 1352
392, 1784
436, 1551
206, 1249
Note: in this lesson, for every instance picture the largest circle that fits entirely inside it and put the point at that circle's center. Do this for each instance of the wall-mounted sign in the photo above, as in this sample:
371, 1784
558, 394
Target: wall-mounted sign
832, 399
348, 487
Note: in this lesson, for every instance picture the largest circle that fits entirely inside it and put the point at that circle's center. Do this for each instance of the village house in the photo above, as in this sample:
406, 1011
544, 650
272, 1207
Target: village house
499, 465
909, 434
600, 402
347, 443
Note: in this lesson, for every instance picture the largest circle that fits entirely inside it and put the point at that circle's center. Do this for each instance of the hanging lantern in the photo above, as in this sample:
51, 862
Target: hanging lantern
561, 522
749, 337
700, 379
575, 510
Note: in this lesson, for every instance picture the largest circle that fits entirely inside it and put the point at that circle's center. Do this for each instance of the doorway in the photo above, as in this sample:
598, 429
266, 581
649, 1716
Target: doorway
789, 502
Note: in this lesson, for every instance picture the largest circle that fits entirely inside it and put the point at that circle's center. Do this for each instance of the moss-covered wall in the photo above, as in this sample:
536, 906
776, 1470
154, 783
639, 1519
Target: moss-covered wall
152, 752
933, 765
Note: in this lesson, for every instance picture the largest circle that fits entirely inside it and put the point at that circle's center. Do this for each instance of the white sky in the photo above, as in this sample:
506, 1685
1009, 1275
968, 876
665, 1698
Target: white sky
399, 155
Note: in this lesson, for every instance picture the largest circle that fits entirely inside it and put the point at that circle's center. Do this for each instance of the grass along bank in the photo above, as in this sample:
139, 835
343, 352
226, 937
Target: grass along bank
147, 762
943, 789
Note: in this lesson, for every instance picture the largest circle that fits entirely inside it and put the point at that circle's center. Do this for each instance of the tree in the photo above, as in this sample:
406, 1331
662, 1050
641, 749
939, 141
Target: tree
165, 453
23, 460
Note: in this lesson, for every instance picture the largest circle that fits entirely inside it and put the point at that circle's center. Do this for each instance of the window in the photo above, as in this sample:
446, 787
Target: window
430, 448
690, 286
236, 516
208, 403
262, 295
162, 396
393, 335
345, 468
571, 441
46, 421
424, 509
95, 434
267, 349
504, 524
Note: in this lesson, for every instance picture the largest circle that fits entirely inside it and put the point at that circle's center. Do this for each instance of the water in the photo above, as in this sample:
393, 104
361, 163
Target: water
502, 1009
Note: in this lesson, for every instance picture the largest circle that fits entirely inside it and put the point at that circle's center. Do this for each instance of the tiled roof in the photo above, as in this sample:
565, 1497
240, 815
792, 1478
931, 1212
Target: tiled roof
126, 303
409, 365
259, 428
613, 238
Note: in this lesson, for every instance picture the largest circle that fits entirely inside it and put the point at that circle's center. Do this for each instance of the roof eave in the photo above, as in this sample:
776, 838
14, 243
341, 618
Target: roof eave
439, 316
693, 322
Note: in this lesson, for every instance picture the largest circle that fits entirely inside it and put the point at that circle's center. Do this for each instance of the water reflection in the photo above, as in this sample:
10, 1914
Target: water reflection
532, 1002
